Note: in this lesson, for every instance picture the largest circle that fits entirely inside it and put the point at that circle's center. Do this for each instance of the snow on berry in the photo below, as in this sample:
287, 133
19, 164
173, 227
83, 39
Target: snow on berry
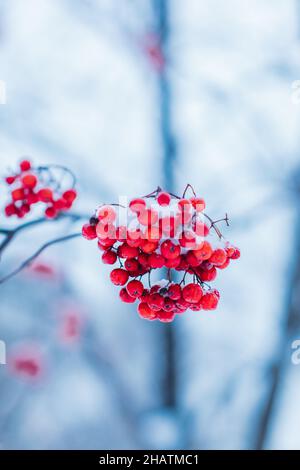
168, 234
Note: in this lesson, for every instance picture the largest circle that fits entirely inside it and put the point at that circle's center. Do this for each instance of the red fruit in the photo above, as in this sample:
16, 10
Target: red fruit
131, 265
50, 212
192, 293
225, 265
218, 257
106, 214
169, 305
146, 312
149, 247
145, 296
24, 209
198, 204
10, 179
119, 277
45, 195
143, 259
188, 239
32, 198
29, 181
174, 292
121, 233
89, 231
106, 232
156, 261
109, 257
204, 252
196, 307
169, 250
18, 194
25, 165
126, 251
192, 259
236, 254
156, 301
184, 205
163, 199
137, 205
208, 275
70, 195
200, 228
182, 304
184, 265
10, 210
135, 289
210, 300
148, 217
173, 263
166, 316
154, 289
125, 297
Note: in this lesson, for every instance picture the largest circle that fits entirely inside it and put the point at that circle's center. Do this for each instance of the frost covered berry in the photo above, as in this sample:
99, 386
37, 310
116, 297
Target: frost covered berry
169, 250
146, 312
163, 199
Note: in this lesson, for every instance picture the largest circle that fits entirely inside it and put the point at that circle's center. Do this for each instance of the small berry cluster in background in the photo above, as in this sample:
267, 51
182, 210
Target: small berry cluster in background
45, 185
162, 231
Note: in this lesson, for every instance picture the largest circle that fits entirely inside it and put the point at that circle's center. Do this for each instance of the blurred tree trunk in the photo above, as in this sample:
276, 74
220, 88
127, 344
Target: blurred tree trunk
161, 8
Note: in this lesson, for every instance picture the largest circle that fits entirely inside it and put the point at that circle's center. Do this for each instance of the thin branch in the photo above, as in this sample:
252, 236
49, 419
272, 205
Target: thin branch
30, 260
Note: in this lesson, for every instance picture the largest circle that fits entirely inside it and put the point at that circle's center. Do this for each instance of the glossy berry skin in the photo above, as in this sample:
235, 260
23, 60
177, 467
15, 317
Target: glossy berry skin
119, 277
89, 232
173, 263
163, 199
45, 195
210, 301
10, 179
204, 252
207, 275
192, 293
29, 181
169, 250
50, 212
125, 297
146, 312
131, 265
218, 257
70, 195
156, 301
156, 261
135, 289
174, 292
25, 165
109, 257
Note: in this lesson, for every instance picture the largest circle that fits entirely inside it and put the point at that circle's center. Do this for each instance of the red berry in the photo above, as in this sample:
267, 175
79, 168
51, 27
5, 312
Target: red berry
148, 217
156, 301
192, 293
119, 277
174, 291
169, 250
163, 199
204, 252
218, 257
225, 265
236, 254
173, 263
137, 205
210, 301
45, 195
198, 204
192, 259
134, 238
200, 228
135, 288
208, 275
166, 316
109, 257
25, 165
146, 312
69, 195
106, 214
10, 179
184, 205
32, 198
169, 305
143, 259
89, 231
50, 212
106, 232
156, 261
125, 297
29, 181
18, 194
131, 265
126, 251
10, 210
149, 247
188, 240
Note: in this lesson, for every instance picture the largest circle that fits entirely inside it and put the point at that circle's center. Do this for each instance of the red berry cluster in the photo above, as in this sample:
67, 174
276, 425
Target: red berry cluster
162, 231
30, 186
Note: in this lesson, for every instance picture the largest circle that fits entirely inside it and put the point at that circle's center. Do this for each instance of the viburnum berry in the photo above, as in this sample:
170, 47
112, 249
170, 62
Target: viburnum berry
156, 301
25, 165
174, 291
69, 195
109, 257
192, 293
166, 316
131, 264
163, 198
207, 275
10, 179
204, 252
125, 297
218, 257
29, 181
135, 288
119, 277
169, 250
45, 195
146, 312
210, 300
89, 231
148, 217
156, 261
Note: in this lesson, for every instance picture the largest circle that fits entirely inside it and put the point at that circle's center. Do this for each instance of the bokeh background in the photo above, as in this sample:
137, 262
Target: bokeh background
131, 94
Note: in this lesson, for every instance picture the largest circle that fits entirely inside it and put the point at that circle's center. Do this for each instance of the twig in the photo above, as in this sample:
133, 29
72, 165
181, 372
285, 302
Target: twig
29, 260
